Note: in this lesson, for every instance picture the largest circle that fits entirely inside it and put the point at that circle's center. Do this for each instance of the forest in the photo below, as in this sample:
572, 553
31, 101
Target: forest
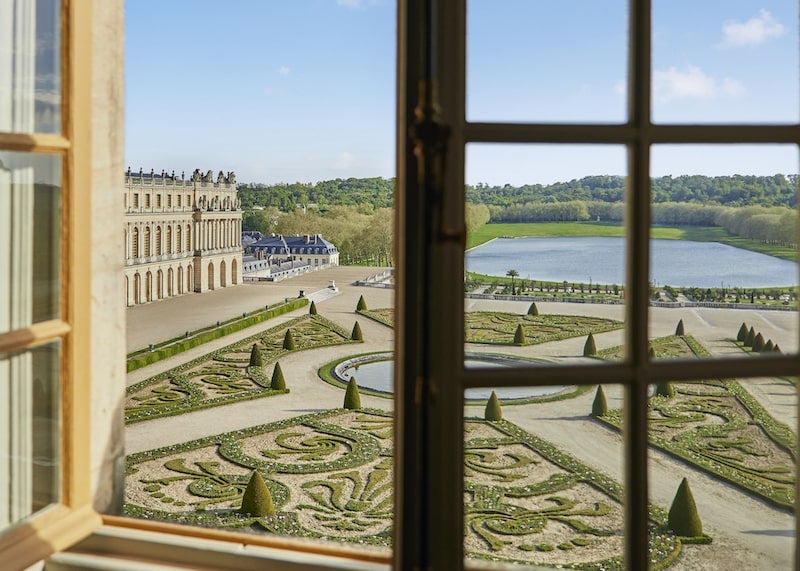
355, 213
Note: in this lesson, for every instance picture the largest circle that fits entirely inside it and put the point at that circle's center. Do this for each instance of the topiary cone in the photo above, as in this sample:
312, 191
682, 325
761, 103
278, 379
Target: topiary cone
599, 406
356, 335
742, 335
751, 336
665, 390
683, 518
519, 335
679, 329
777, 348
651, 353
589, 348
532, 309
255, 357
493, 411
758, 343
361, 305
278, 382
288, 340
352, 398
769, 346
257, 500
312, 309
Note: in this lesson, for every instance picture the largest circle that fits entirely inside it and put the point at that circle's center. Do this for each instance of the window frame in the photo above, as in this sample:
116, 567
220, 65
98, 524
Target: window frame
60, 525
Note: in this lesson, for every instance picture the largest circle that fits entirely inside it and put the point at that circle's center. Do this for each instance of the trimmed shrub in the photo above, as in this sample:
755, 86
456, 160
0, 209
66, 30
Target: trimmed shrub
665, 390
532, 309
255, 357
777, 348
742, 335
679, 329
751, 336
361, 305
519, 335
758, 343
651, 353
769, 347
257, 500
589, 348
352, 398
356, 335
312, 309
599, 406
278, 382
288, 340
493, 411
683, 518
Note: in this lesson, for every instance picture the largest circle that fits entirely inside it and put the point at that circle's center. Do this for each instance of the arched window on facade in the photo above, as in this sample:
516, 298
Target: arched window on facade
158, 240
188, 238
178, 243
147, 242
135, 243
169, 239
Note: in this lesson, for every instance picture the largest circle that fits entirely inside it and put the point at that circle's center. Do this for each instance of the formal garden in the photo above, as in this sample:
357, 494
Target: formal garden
328, 475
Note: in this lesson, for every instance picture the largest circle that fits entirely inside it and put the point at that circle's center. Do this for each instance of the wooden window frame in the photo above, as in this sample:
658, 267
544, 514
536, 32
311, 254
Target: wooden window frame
72, 518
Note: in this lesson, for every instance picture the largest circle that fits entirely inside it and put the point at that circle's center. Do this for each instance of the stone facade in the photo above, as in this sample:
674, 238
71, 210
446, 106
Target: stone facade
181, 235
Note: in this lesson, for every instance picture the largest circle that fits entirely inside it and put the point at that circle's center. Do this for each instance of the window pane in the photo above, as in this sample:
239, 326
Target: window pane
723, 250
546, 61
545, 258
543, 485
30, 241
30, 423
716, 62
725, 444
30, 66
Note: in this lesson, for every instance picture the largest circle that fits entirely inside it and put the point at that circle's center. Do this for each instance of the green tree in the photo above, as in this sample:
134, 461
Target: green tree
278, 382
513, 274
758, 343
589, 348
683, 518
257, 499
532, 309
312, 309
288, 340
352, 398
493, 411
519, 335
362, 304
356, 335
255, 357
769, 347
665, 390
599, 405
742, 335
679, 330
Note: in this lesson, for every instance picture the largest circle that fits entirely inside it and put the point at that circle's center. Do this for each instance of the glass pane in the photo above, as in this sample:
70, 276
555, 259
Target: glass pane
720, 468
723, 250
716, 62
30, 424
30, 240
546, 61
545, 258
30, 66
543, 479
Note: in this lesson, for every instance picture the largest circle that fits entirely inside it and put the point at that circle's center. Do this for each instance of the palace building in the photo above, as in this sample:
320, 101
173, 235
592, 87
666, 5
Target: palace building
181, 236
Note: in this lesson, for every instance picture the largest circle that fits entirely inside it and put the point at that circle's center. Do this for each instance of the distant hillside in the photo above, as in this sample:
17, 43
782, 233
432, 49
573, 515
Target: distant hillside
737, 190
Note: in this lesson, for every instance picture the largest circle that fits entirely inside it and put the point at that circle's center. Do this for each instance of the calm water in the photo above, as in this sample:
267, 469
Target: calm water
379, 376
601, 260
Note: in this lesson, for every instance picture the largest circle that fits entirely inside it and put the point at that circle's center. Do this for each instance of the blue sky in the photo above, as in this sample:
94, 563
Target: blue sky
303, 90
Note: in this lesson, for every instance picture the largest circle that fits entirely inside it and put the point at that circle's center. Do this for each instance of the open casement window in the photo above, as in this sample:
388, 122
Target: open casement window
433, 133
45, 168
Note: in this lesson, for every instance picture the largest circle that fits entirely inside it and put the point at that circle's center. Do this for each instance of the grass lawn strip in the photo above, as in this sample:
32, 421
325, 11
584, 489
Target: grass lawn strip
223, 376
719, 427
498, 328
330, 477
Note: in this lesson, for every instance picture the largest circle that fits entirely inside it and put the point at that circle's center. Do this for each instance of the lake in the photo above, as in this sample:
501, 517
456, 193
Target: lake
601, 260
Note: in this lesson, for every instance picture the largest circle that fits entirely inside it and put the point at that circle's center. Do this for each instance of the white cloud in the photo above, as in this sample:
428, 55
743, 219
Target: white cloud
753, 32
344, 161
284, 70
693, 83
350, 3
621, 87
